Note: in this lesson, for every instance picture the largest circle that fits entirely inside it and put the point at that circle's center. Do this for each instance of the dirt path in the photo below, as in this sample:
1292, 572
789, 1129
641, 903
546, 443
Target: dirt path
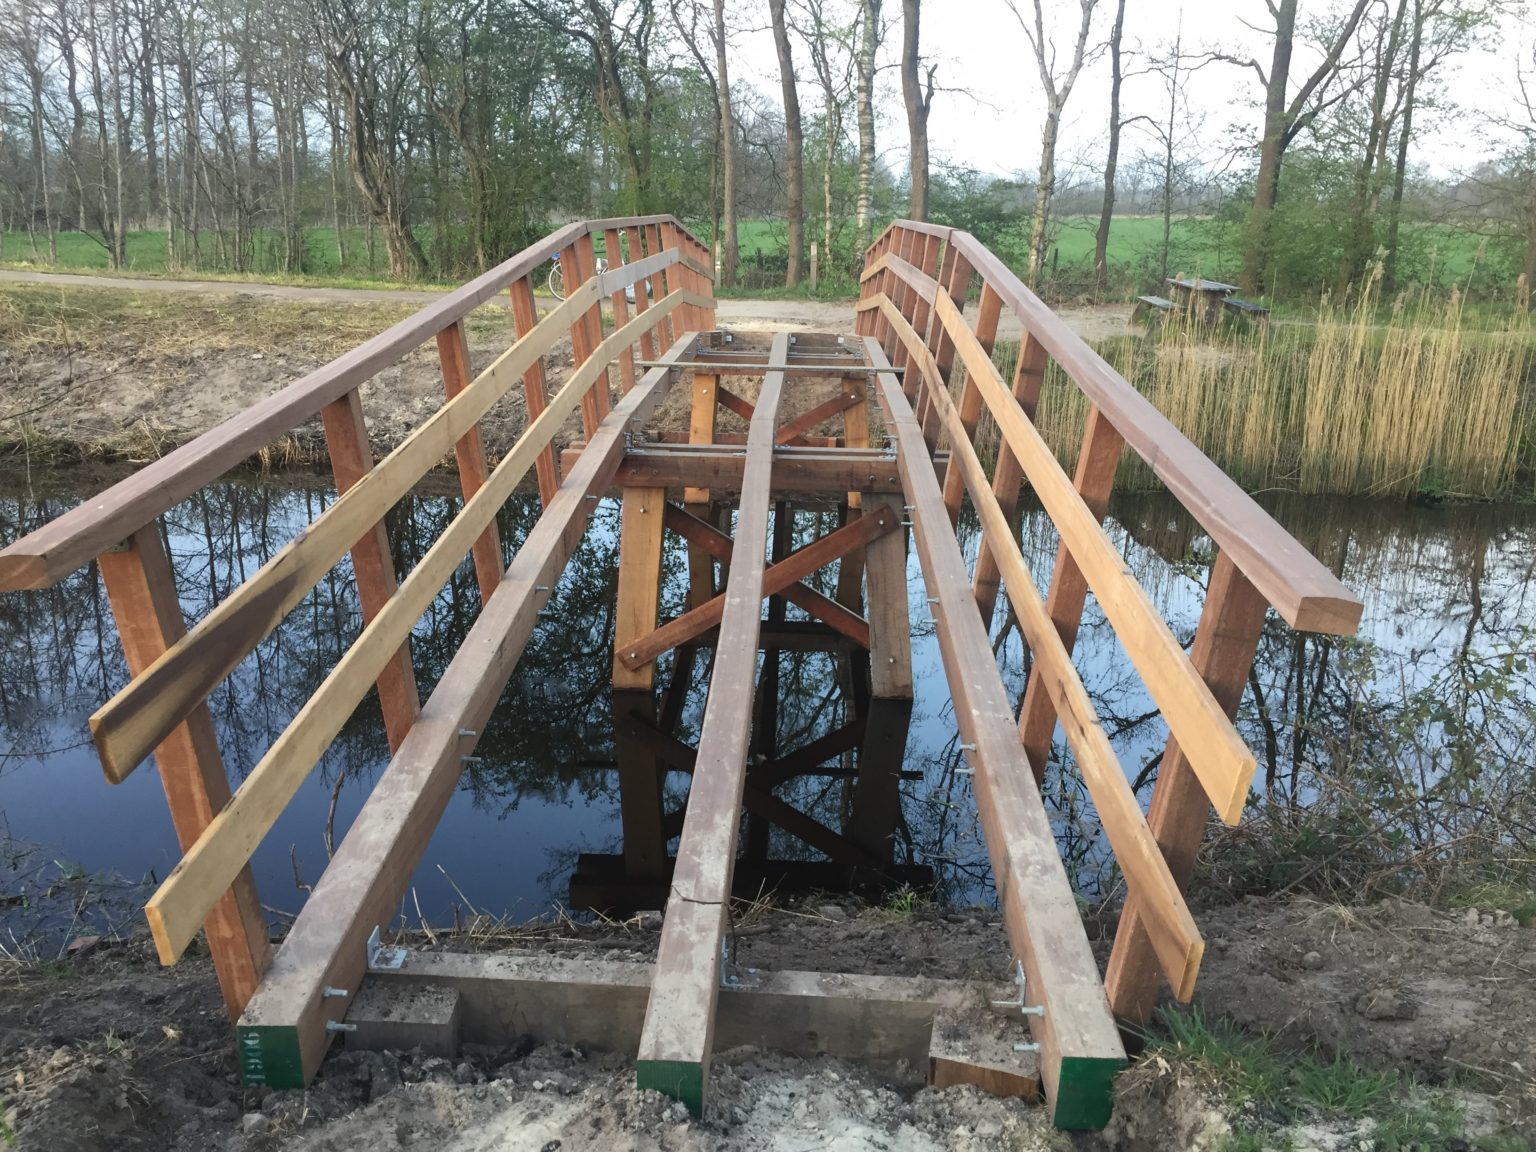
1095, 322
104, 1049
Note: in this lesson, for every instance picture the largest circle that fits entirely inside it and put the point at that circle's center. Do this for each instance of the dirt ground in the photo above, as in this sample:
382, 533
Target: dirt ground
106, 1050
143, 386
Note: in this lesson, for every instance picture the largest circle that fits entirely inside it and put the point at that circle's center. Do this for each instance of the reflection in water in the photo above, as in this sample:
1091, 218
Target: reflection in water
1427, 721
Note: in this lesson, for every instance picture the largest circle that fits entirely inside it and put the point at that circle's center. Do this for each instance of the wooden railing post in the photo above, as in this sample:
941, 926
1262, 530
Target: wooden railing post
988, 313
1028, 375
637, 252
142, 592
469, 453
583, 340
704, 410
1226, 641
620, 303
641, 535
346, 438
681, 276
525, 318
669, 329
1095, 480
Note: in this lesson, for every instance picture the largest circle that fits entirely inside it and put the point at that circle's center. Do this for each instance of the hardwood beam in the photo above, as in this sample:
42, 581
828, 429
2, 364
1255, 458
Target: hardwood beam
373, 568
641, 535
469, 454
890, 628
828, 472
1226, 640
678, 1037
1080, 1047
141, 591
283, 1033
778, 577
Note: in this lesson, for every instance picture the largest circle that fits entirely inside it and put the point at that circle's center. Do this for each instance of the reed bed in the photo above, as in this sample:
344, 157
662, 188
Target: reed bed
1356, 403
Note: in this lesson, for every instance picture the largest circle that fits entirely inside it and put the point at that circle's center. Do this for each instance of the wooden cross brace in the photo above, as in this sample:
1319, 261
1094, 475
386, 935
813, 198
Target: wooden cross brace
781, 579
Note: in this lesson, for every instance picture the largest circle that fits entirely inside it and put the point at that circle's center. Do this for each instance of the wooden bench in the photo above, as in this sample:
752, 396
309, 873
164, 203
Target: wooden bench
1146, 306
1246, 308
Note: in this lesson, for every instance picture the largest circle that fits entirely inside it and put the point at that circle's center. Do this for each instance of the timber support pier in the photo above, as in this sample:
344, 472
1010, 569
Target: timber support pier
877, 428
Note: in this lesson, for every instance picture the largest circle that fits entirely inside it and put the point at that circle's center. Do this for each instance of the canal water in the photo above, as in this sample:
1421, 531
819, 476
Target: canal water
1378, 724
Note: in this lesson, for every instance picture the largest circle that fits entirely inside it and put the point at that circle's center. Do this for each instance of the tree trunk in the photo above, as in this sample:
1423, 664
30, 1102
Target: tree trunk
730, 249
794, 147
1043, 191
1400, 174
1266, 185
1360, 241
869, 37
1106, 213
919, 102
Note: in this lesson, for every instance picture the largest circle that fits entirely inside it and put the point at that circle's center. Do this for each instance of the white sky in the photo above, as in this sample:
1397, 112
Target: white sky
988, 112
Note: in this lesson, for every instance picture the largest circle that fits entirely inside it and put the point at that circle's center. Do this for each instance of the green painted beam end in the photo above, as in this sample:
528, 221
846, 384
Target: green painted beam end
682, 1080
1085, 1092
270, 1056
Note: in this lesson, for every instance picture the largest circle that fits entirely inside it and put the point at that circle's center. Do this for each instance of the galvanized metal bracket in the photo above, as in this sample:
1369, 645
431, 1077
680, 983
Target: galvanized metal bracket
380, 958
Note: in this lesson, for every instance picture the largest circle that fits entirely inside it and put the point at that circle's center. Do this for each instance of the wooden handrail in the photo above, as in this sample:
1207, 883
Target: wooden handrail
1216, 752
44, 557
127, 728
1299, 587
1169, 923
179, 906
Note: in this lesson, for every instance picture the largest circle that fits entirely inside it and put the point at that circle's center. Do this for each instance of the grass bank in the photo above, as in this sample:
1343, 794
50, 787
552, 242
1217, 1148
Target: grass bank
1362, 401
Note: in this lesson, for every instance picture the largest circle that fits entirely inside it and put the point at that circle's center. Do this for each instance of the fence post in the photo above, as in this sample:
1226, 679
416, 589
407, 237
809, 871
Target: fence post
525, 318
469, 452
141, 590
346, 438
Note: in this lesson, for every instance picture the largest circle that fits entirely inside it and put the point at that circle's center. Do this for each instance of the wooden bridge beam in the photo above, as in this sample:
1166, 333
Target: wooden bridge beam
141, 590
678, 1038
1080, 1047
283, 1034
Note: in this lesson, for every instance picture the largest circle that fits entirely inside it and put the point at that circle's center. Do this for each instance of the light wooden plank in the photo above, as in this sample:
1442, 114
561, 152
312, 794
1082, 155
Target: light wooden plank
1007, 476
703, 410
799, 471
133, 721
142, 593
1176, 939
1217, 753
283, 1036
469, 455
1226, 640
1094, 481
205, 870
77, 537
1080, 1048
641, 535
677, 1040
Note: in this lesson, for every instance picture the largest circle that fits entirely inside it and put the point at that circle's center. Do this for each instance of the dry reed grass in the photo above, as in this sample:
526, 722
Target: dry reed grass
1352, 404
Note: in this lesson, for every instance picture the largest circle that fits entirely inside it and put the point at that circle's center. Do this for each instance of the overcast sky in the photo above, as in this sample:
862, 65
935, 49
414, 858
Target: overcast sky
988, 112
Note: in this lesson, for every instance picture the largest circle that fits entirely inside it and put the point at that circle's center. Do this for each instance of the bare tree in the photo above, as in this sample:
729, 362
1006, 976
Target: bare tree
1285, 117
869, 43
794, 147
729, 243
919, 100
1101, 237
1057, 89
834, 74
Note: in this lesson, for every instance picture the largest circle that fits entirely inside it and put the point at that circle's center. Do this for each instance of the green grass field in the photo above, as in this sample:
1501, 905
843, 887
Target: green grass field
1198, 246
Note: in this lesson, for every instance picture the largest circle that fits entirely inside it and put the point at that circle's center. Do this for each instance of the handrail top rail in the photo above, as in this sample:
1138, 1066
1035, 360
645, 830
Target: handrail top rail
70, 541
1308, 596
939, 230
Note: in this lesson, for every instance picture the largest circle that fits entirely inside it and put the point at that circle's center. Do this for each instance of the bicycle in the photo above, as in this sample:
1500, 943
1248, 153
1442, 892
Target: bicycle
556, 279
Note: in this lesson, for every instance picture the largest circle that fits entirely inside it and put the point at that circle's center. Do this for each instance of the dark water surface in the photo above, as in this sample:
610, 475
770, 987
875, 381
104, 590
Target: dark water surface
1446, 589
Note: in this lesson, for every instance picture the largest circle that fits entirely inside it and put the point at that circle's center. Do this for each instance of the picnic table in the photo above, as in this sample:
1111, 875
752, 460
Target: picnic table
1201, 297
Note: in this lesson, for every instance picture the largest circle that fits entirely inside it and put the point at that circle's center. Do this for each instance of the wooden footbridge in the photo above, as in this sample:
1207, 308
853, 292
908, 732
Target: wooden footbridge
880, 422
